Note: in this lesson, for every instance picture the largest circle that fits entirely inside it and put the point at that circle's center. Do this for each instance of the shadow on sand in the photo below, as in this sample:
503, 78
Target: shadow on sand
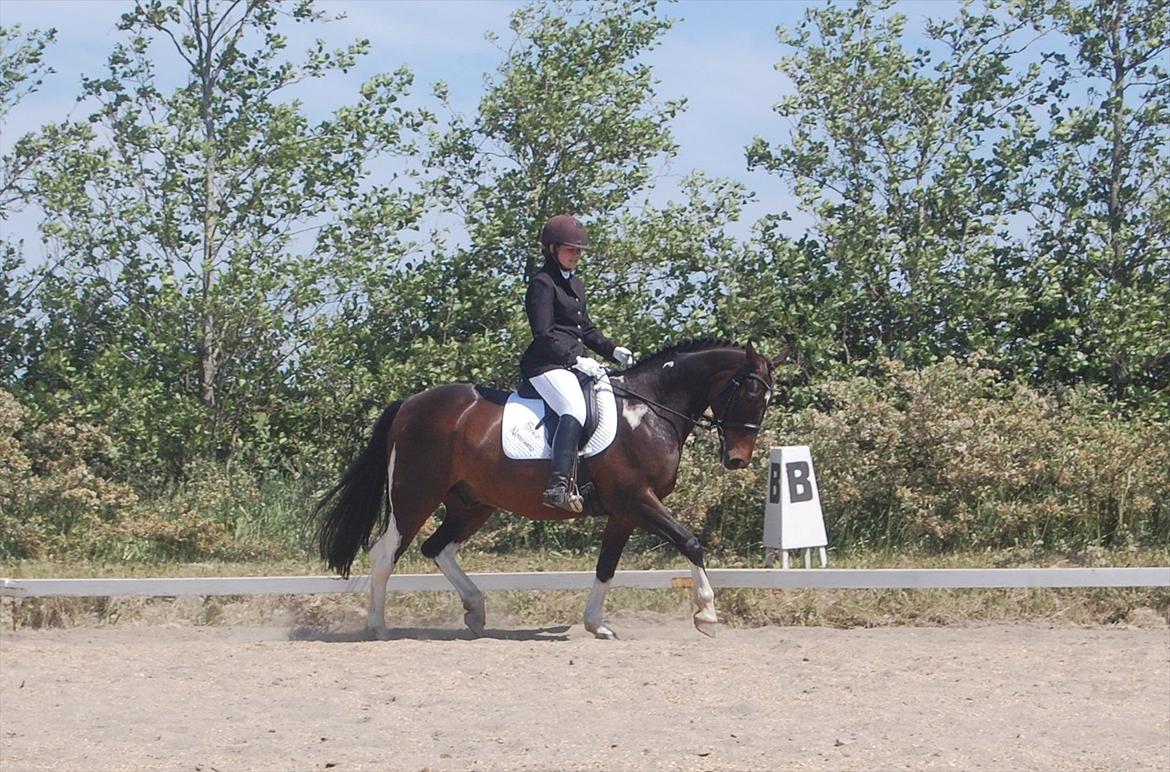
325, 635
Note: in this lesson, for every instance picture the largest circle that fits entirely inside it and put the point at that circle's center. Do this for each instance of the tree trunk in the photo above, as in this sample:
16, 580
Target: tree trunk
1117, 147
209, 344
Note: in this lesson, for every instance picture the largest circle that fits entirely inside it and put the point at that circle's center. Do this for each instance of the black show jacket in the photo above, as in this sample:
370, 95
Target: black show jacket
560, 323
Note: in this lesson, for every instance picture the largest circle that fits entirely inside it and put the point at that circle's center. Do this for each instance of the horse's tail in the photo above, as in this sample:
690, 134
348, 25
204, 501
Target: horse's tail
351, 509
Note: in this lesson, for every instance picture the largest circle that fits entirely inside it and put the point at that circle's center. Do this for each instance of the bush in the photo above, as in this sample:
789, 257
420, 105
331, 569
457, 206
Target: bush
945, 458
51, 492
949, 457
57, 500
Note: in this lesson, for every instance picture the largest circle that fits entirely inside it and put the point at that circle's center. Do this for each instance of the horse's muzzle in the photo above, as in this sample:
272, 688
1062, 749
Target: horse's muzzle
735, 463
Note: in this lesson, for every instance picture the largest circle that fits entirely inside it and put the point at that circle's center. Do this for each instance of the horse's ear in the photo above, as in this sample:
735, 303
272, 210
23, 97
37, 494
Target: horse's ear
751, 352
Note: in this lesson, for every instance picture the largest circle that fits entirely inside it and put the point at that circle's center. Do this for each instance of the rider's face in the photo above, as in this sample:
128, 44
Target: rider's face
568, 256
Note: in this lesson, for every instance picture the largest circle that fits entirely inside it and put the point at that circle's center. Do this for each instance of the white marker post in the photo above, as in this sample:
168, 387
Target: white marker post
792, 507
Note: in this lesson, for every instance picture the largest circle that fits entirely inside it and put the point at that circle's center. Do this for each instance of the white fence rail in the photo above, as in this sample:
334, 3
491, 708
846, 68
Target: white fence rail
823, 578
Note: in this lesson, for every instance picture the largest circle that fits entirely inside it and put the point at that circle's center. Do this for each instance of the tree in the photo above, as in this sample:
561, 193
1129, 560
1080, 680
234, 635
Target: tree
1097, 273
570, 123
22, 71
203, 238
908, 159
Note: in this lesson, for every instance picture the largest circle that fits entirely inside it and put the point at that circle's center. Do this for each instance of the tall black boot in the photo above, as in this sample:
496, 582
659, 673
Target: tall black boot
561, 490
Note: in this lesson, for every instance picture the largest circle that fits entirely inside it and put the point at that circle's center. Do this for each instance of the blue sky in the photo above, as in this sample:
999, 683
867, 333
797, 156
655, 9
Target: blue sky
720, 56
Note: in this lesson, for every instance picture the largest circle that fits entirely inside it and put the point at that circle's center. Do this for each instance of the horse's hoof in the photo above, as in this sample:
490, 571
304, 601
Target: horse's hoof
706, 625
475, 622
604, 633
379, 633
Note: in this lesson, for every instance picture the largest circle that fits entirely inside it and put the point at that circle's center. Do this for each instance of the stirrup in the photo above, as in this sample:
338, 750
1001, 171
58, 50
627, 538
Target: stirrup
559, 496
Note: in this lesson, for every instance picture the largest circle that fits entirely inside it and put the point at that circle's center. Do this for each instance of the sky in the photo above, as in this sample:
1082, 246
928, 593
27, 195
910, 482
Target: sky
720, 56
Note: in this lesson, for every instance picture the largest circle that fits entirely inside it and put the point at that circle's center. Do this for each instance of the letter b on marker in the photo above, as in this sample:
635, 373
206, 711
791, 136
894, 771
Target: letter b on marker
798, 486
774, 484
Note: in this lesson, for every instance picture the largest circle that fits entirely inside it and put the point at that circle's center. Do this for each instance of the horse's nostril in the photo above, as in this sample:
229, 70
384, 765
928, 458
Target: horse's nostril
736, 463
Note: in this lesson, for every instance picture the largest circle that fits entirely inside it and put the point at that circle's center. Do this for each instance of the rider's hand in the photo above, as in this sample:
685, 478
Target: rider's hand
624, 356
590, 367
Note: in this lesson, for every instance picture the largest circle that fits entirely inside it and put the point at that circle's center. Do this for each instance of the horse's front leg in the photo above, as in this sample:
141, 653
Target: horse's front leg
656, 518
613, 541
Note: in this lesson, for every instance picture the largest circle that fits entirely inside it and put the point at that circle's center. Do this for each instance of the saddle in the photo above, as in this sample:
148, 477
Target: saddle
528, 423
549, 421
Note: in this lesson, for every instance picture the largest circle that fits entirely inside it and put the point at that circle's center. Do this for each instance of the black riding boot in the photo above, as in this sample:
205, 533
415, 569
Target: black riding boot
560, 491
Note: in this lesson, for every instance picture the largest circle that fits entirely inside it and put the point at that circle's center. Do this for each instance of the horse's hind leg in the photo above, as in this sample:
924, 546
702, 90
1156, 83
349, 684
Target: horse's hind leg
382, 560
408, 508
459, 524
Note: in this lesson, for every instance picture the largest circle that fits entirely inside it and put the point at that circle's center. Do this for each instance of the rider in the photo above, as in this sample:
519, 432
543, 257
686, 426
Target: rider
561, 329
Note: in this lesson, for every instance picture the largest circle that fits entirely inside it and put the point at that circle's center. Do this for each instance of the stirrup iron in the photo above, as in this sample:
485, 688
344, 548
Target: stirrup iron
561, 497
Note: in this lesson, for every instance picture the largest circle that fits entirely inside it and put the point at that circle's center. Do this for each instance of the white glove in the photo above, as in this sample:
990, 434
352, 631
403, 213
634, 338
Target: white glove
590, 367
624, 356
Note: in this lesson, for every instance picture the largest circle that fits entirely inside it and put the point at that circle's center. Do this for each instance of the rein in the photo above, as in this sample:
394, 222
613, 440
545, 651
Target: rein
703, 422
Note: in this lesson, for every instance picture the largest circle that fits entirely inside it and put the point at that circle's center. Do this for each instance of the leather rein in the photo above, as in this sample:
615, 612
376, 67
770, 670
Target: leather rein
720, 421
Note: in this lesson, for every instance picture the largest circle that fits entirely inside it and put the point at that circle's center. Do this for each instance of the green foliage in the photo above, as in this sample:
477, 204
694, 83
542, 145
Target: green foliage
53, 482
908, 159
188, 283
570, 123
1095, 274
953, 215
22, 71
230, 293
951, 457
674, 271
23, 68
58, 501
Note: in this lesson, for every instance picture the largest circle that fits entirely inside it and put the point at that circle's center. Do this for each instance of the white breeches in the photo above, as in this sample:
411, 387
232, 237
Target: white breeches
562, 391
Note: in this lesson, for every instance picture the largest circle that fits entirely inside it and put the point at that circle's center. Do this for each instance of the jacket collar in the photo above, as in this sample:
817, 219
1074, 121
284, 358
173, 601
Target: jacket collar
553, 268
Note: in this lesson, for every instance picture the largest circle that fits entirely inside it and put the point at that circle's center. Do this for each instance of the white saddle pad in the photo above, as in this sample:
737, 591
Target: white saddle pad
523, 440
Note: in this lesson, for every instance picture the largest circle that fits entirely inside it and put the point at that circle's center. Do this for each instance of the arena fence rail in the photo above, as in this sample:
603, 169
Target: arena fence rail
755, 578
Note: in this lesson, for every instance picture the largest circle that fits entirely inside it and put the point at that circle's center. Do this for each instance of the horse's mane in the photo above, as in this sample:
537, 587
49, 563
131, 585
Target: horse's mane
684, 347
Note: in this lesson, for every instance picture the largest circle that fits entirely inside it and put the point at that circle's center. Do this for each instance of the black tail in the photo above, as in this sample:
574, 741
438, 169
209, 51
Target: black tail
349, 512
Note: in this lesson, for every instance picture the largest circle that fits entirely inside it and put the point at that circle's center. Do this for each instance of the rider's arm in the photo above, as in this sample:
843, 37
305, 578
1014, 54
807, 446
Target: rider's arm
592, 338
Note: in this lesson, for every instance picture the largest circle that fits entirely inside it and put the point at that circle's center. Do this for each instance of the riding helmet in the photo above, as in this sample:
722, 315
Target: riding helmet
563, 229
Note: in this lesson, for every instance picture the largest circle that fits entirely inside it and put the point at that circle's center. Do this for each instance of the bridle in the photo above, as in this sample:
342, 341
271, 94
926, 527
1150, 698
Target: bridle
720, 421
738, 382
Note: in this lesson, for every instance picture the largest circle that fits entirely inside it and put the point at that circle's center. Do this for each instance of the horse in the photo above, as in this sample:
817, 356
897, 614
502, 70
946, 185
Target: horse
443, 446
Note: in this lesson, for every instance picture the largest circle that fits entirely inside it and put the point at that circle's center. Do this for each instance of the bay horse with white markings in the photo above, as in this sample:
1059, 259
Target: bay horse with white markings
443, 446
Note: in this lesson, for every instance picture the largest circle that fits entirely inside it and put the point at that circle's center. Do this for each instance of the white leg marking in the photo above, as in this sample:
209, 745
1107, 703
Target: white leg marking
634, 413
382, 556
471, 595
703, 599
595, 610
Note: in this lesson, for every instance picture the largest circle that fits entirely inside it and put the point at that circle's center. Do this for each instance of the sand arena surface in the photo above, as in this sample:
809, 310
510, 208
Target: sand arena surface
994, 697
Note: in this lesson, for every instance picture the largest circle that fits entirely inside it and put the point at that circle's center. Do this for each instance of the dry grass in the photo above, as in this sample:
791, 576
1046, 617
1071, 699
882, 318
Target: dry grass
739, 607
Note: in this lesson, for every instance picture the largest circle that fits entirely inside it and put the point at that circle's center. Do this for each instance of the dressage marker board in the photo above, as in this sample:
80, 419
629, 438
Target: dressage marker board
793, 519
752, 578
